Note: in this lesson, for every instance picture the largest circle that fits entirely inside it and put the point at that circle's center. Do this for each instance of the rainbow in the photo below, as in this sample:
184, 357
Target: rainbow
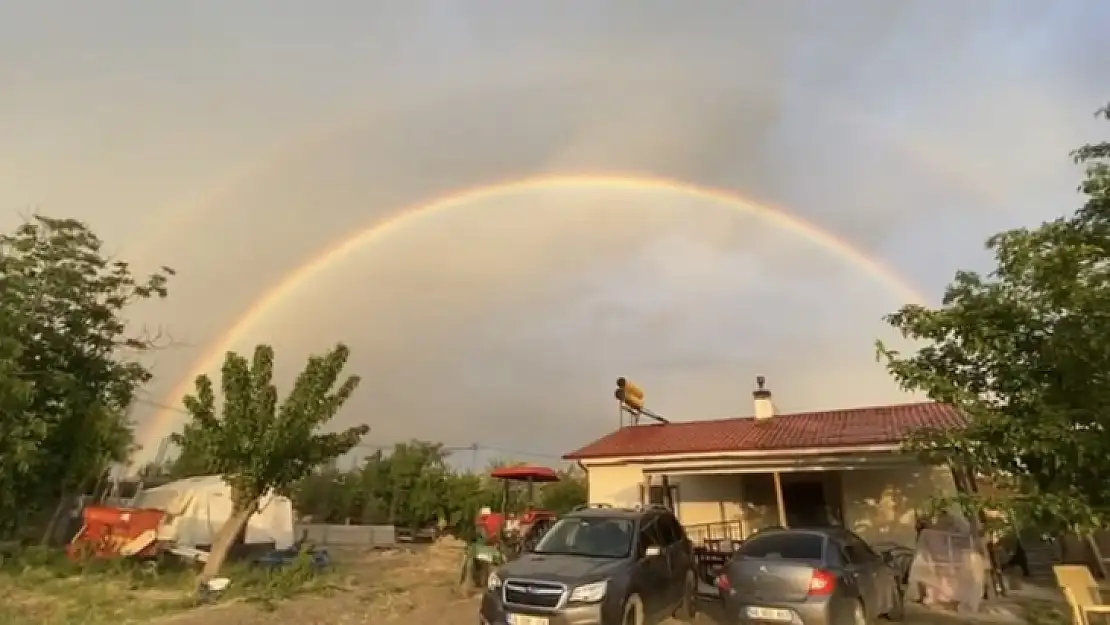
286, 287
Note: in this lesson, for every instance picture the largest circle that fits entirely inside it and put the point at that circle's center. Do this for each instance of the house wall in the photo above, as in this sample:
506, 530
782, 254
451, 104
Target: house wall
881, 504
709, 498
878, 504
616, 485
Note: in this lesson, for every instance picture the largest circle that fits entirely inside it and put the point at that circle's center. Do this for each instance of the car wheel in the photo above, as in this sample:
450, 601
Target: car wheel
633, 611
859, 615
688, 609
897, 604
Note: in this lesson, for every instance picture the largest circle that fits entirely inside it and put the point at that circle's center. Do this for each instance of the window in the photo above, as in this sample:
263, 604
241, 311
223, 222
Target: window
784, 546
590, 537
649, 537
655, 496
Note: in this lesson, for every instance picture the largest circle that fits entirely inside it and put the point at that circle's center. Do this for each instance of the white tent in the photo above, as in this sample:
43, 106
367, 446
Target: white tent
198, 506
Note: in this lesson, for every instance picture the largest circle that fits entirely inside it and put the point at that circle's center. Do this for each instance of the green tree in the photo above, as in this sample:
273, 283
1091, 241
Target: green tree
67, 373
562, 496
1024, 352
259, 446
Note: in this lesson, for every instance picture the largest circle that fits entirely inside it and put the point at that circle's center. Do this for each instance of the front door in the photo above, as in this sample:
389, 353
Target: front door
805, 504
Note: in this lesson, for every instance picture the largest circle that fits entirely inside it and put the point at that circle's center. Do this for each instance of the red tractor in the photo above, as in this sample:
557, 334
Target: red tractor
504, 535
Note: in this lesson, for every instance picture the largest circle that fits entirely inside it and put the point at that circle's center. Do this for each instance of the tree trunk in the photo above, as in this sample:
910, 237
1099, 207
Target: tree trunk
52, 526
224, 539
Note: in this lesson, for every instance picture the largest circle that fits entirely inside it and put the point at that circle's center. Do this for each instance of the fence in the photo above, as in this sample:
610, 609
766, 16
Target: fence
348, 535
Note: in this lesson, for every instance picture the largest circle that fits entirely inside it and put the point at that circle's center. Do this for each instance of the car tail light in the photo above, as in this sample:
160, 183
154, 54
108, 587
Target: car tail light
822, 583
723, 582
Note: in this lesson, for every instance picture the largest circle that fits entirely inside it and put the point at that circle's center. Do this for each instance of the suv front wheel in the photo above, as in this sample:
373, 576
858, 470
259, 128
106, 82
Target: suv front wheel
633, 611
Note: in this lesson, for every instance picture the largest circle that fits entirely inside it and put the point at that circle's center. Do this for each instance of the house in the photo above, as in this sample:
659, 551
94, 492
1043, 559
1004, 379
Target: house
734, 476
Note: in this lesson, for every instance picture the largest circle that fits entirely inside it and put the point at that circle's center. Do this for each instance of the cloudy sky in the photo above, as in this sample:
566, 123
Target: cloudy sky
236, 141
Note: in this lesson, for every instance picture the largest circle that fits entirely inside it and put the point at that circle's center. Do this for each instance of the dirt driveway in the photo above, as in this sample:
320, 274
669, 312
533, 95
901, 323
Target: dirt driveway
410, 587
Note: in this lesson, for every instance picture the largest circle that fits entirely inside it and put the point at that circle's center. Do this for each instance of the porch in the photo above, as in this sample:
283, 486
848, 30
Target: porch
876, 494
721, 506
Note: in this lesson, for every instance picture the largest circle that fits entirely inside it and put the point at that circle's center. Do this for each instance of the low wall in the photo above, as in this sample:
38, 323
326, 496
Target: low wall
347, 535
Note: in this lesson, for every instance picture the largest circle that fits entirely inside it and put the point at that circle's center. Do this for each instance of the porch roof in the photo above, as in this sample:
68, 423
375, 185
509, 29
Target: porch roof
873, 425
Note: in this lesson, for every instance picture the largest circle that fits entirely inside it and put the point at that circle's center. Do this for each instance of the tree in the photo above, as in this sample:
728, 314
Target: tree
1024, 353
563, 496
258, 446
66, 378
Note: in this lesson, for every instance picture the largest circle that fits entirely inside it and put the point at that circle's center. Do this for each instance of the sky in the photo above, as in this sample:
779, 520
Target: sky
236, 141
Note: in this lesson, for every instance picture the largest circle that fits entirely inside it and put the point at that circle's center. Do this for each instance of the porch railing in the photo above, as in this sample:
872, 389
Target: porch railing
713, 546
708, 534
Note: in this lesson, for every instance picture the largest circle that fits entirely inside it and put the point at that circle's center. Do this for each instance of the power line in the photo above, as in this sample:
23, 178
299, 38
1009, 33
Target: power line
462, 448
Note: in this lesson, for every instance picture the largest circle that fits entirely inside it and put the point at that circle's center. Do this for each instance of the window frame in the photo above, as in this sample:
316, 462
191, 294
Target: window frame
647, 527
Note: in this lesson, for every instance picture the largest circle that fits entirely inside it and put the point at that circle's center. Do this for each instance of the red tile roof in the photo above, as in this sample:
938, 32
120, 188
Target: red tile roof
874, 425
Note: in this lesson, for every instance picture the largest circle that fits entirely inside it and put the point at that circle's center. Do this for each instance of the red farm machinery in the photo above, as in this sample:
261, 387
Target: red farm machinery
503, 535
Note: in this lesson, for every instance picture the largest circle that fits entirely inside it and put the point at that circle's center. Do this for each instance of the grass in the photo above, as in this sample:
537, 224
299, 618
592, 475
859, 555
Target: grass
1038, 612
42, 587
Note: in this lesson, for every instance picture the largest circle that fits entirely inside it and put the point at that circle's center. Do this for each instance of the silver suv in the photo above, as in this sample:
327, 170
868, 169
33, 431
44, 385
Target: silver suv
598, 566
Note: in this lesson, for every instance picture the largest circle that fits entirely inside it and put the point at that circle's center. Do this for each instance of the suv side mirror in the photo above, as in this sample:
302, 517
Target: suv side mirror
652, 551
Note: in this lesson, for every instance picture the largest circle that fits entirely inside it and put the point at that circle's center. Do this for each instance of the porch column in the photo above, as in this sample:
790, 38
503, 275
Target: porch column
743, 507
778, 498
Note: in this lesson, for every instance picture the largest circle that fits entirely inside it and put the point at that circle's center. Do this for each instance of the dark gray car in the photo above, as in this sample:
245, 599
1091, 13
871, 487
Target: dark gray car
598, 566
809, 577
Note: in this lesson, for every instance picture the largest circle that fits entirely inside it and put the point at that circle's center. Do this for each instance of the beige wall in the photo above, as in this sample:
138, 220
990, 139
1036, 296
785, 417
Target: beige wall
616, 485
879, 504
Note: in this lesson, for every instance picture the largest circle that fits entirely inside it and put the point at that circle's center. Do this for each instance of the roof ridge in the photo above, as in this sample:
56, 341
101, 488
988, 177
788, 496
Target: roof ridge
869, 408
858, 425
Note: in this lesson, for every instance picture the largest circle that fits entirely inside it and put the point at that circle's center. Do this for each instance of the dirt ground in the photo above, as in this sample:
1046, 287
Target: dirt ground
415, 587
411, 586
418, 587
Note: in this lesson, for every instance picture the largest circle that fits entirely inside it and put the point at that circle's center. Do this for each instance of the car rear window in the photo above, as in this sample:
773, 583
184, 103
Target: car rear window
784, 546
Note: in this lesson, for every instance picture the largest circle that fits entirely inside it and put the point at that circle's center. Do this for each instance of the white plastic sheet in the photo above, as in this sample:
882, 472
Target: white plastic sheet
197, 507
949, 569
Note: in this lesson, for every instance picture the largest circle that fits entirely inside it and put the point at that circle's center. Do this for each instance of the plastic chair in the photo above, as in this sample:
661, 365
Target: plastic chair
1081, 591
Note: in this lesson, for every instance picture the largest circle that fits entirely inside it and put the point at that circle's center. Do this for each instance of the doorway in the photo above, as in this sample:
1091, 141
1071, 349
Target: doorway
806, 504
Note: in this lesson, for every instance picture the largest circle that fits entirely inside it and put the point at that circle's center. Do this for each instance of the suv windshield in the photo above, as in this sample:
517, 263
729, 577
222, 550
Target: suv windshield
590, 537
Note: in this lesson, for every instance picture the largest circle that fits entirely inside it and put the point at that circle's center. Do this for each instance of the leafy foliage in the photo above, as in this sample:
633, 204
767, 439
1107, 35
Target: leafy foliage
1024, 352
257, 445
66, 382
414, 487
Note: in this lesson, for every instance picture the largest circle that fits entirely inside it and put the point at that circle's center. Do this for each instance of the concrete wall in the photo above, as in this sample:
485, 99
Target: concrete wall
348, 535
879, 504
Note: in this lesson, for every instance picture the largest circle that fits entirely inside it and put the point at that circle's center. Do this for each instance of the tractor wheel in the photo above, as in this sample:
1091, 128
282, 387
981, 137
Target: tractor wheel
467, 559
479, 573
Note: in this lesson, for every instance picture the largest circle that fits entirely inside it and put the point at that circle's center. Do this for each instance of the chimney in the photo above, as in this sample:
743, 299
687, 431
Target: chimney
761, 397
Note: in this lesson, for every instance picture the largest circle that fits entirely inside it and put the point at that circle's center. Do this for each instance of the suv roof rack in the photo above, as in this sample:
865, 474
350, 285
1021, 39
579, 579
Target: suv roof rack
587, 506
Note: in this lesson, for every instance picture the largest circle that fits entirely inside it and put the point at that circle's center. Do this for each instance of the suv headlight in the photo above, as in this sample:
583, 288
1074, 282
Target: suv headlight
493, 582
590, 593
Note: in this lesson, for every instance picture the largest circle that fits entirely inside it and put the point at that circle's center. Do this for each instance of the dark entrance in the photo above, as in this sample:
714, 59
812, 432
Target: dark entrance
805, 503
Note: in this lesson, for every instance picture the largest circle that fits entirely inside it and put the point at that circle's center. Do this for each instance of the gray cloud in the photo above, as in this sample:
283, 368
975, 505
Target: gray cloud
235, 143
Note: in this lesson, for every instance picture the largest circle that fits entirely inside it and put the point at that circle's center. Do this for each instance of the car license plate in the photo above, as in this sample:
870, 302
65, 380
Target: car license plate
768, 614
525, 619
